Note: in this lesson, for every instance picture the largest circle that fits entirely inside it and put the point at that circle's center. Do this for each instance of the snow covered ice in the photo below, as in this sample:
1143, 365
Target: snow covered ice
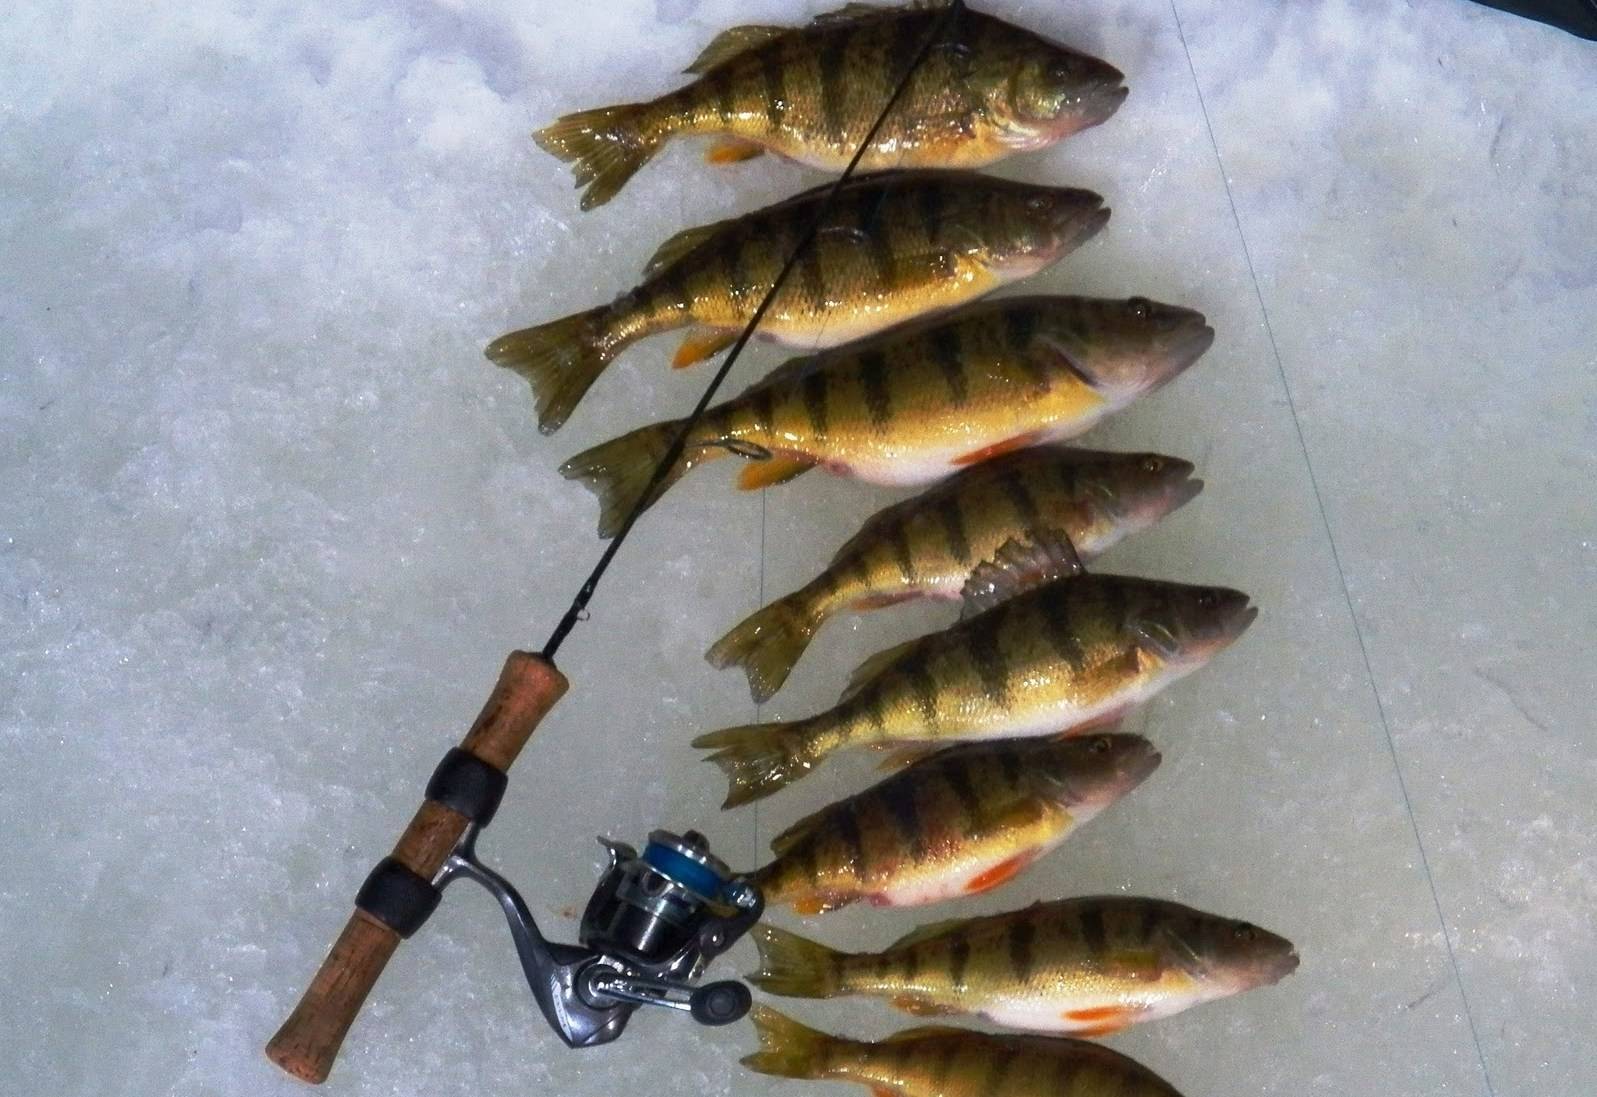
270, 523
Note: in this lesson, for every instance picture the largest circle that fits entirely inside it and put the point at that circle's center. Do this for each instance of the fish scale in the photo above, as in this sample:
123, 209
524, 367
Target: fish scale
1087, 966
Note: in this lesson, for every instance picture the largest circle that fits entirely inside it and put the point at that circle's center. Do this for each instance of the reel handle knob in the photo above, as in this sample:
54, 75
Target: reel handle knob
306, 1045
720, 1003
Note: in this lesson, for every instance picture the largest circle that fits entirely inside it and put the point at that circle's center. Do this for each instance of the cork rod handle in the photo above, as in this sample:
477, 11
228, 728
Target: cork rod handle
306, 1045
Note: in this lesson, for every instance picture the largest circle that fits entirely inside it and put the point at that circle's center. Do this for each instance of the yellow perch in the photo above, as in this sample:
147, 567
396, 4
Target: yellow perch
1063, 655
1086, 967
961, 822
927, 546
893, 246
951, 1062
812, 93
913, 405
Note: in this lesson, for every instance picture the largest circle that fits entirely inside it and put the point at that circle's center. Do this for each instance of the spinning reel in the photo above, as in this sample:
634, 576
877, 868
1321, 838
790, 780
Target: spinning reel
655, 921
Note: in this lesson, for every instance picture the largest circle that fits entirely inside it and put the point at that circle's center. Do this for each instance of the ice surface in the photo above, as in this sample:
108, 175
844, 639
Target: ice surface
270, 524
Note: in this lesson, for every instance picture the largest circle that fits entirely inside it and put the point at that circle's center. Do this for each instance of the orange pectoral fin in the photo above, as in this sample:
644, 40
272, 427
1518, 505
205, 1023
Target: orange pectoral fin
998, 449
731, 151
1100, 1020
700, 345
809, 905
777, 470
999, 874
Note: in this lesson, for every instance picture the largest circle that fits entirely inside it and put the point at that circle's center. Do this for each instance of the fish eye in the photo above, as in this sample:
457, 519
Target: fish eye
1152, 464
1208, 600
1039, 203
1141, 307
1060, 69
1100, 744
1245, 932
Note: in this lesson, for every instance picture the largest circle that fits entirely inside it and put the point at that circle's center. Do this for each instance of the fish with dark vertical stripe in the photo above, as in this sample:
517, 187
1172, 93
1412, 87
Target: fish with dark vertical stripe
1085, 967
875, 261
916, 404
942, 1061
986, 90
1005, 672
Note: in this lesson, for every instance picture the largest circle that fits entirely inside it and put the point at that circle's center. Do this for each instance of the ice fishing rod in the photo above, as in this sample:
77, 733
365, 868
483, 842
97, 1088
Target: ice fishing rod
655, 919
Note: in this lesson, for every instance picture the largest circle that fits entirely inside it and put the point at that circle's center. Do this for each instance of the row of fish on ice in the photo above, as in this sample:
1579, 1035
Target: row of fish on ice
1004, 721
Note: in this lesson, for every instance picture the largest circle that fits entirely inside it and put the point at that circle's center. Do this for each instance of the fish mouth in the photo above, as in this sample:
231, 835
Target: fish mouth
1100, 103
1251, 973
1077, 228
1195, 342
1226, 621
1184, 492
1235, 618
1266, 971
1239, 623
1184, 346
1286, 965
1140, 765
1179, 484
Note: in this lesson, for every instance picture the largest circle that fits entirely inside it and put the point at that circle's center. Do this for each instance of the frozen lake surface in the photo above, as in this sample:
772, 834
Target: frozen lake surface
271, 522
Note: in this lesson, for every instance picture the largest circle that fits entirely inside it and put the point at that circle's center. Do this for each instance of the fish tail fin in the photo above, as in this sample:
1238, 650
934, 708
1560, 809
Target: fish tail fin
618, 471
789, 1049
760, 759
768, 644
604, 147
794, 966
560, 360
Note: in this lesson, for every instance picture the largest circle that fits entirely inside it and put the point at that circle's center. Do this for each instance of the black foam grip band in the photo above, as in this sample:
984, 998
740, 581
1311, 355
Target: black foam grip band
469, 785
397, 897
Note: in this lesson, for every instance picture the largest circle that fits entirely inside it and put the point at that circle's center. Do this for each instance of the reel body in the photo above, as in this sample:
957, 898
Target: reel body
655, 921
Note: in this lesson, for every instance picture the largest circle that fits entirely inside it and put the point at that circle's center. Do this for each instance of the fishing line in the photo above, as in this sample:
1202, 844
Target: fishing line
679, 443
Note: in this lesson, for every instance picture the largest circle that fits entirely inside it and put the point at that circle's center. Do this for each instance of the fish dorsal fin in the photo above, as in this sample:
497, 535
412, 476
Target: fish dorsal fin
926, 933
799, 831
731, 42
1019, 566
679, 245
854, 12
873, 666
790, 370
921, 1032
